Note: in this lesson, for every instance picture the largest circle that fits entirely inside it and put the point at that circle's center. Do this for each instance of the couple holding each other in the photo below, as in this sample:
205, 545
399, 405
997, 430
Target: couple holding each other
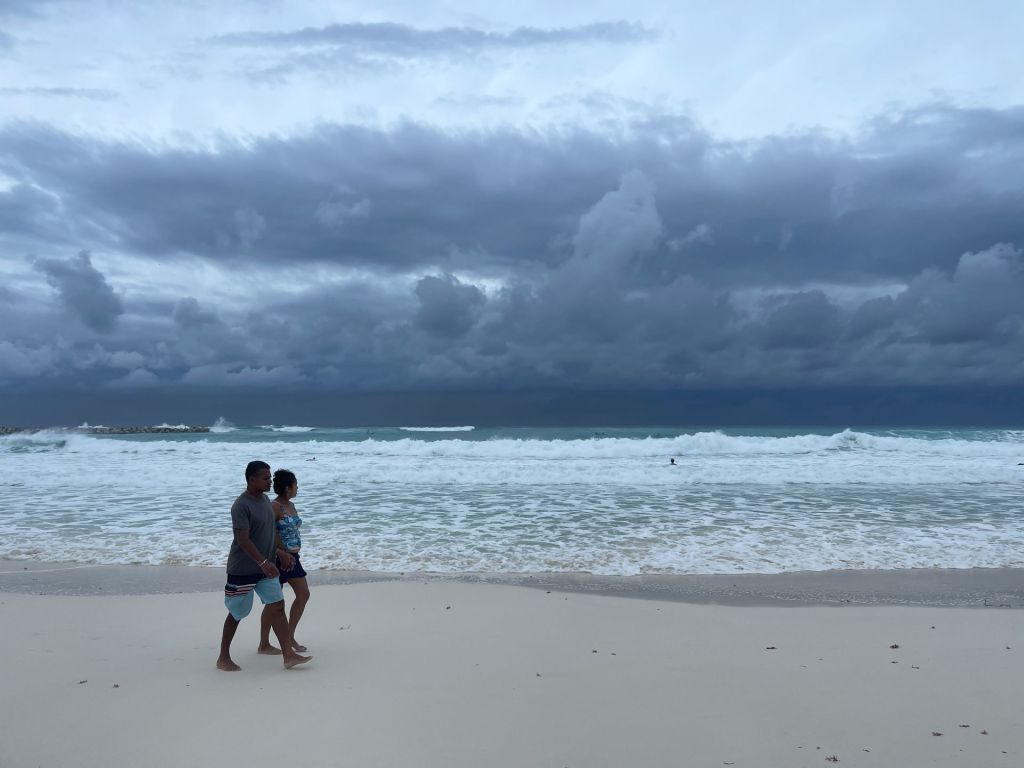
266, 534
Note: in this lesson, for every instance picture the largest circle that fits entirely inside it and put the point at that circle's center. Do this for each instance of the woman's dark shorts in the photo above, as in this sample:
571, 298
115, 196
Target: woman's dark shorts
297, 571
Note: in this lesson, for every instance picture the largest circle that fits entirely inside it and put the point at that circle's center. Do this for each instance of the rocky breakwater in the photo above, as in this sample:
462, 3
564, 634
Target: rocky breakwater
108, 430
140, 430
161, 430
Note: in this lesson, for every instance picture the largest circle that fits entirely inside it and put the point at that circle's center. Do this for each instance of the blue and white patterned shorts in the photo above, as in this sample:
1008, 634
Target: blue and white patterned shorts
238, 593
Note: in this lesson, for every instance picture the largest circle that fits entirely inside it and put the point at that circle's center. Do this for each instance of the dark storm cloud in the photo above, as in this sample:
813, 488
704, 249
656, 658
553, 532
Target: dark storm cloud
447, 307
801, 319
652, 257
403, 41
341, 195
83, 291
188, 314
983, 299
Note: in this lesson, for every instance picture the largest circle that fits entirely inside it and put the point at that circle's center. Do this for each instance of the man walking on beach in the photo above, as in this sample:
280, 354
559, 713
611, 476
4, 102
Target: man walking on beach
251, 567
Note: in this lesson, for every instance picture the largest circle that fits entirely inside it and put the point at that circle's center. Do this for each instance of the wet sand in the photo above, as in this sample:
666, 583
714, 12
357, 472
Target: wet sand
974, 587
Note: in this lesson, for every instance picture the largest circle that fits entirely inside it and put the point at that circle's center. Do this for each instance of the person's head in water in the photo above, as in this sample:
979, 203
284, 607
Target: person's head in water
285, 480
672, 461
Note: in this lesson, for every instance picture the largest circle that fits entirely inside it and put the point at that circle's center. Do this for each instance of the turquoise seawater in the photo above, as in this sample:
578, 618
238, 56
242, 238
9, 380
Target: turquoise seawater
516, 500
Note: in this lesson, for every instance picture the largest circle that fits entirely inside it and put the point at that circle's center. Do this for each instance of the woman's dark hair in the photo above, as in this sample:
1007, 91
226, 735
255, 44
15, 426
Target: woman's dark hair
283, 480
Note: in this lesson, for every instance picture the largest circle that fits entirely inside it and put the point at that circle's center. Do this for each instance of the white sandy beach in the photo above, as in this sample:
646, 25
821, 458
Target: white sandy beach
455, 674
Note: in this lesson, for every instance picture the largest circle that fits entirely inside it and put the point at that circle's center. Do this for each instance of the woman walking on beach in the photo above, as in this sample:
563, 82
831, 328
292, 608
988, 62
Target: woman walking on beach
288, 523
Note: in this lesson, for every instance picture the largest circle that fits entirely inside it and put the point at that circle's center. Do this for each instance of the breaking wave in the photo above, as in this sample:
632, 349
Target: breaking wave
437, 429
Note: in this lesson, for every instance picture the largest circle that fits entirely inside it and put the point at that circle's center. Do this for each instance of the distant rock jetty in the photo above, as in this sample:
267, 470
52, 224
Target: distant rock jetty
139, 430
116, 430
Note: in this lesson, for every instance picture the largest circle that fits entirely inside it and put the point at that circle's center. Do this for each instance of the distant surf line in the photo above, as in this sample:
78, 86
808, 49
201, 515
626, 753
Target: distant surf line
437, 429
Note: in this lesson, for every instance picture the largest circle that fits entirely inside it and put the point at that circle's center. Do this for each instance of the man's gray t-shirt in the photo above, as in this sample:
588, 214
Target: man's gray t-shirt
256, 516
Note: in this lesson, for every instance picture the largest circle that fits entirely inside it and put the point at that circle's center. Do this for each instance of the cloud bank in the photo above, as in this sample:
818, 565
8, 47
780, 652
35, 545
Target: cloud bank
649, 257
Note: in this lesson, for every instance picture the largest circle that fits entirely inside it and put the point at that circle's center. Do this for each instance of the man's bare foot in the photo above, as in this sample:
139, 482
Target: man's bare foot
299, 648
227, 665
269, 650
294, 660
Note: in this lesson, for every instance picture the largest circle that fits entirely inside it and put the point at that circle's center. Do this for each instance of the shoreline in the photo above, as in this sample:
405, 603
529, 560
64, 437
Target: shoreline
940, 587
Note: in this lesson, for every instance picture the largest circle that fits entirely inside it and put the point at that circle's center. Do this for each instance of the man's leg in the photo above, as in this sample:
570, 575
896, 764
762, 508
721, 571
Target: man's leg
279, 622
224, 661
265, 647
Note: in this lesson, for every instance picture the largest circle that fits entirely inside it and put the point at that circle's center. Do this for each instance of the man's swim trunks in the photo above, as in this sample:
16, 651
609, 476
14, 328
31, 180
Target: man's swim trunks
238, 593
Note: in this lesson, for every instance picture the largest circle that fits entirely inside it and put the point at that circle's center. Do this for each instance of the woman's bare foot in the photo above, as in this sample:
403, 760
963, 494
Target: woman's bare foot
299, 648
227, 665
293, 660
269, 650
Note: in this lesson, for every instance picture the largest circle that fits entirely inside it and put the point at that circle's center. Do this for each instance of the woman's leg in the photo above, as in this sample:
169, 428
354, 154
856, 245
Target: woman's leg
265, 647
301, 589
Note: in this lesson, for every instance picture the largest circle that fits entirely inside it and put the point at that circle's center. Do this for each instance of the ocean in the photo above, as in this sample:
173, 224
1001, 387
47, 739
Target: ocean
596, 500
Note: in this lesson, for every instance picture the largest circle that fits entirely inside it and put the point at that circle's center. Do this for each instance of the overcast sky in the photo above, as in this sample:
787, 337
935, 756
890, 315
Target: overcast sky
259, 196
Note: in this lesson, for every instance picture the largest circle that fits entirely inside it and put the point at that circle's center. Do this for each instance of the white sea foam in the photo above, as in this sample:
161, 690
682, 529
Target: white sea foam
437, 429
285, 428
605, 504
43, 440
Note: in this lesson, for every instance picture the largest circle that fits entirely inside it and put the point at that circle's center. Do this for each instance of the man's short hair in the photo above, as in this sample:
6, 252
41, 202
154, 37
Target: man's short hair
253, 468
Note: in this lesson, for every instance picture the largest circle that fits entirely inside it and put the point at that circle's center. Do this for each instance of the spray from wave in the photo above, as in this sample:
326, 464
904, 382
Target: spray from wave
222, 426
